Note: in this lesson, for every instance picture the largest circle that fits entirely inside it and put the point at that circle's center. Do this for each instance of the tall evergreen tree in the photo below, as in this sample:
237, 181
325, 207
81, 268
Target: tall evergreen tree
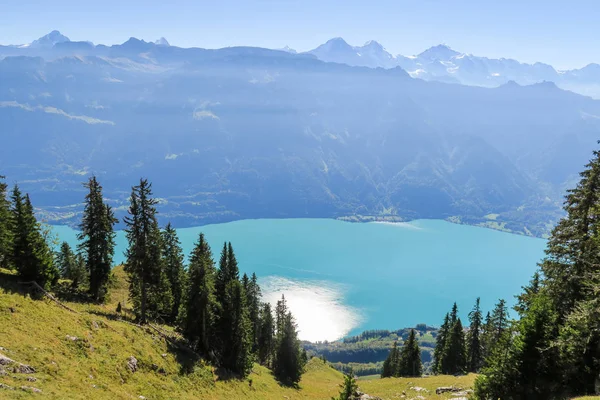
197, 312
31, 253
474, 347
97, 239
289, 362
266, 335
455, 357
65, 260
253, 296
173, 262
71, 266
391, 365
410, 357
6, 239
236, 350
440, 344
554, 349
148, 285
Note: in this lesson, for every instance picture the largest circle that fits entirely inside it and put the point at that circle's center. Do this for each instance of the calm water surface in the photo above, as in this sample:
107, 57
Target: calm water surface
342, 278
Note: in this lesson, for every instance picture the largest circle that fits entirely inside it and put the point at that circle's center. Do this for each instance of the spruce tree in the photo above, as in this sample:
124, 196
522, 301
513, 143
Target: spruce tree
553, 350
197, 312
474, 348
31, 253
288, 365
253, 296
97, 239
71, 266
6, 239
266, 335
391, 365
455, 357
410, 363
440, 345
236, 350
148, 285
173, 262
349, 388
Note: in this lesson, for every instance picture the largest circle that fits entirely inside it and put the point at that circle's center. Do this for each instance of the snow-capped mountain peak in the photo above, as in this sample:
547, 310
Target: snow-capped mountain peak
162, 42
49, 40
440, 52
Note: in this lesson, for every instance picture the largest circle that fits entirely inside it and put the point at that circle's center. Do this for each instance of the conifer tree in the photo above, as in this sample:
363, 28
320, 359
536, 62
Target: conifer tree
97, 239
553, 350
253, 295
266, 336
65, 260
440, 345
391, 365
31, 253
455, 356
197, 312
148, 285
474, 348
288, 365
410, 357
6, 239
236, 350
349, 388
79, 275
70, 265
173, 262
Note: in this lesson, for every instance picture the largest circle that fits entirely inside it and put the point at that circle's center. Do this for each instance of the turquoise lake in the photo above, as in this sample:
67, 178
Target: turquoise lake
341, 278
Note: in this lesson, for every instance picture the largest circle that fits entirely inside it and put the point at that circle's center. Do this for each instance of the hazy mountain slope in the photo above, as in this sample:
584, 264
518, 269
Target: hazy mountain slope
443, 64
248, 132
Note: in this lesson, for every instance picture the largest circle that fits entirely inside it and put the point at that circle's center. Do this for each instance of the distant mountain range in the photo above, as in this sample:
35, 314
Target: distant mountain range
438, 63
247, 132
441, 63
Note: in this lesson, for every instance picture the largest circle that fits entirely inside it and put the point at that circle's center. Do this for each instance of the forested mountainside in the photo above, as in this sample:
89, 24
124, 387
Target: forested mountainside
249, 132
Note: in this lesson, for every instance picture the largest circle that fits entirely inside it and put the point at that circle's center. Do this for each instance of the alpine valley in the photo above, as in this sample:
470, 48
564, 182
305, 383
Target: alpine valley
245, 132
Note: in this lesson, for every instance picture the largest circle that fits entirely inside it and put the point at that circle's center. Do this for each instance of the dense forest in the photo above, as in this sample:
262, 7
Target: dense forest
219, 313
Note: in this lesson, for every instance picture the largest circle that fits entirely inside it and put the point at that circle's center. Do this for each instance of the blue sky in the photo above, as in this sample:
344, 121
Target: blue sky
564, 34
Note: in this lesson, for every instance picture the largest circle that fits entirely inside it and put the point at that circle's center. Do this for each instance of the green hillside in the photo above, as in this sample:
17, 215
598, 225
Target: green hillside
85, 352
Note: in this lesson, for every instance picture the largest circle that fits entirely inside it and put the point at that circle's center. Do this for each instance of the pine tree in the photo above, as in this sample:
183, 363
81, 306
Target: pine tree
235, 334
440, 345
173, 262
573, 249
253, 296
349, 388
233, 326
71, 266
474, 356
281, 311
65, 260
410, 363
31, 253
391, 364
199, 304
79, 274
148, 285
97, 239
266, 335
6, 239
288, 365
455, 357
553, 350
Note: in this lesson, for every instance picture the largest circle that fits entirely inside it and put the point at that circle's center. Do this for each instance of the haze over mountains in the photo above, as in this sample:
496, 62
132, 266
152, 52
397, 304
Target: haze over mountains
247, 132
442, 63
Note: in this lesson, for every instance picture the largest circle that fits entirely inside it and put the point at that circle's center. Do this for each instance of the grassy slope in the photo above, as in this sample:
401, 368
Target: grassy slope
95, 365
